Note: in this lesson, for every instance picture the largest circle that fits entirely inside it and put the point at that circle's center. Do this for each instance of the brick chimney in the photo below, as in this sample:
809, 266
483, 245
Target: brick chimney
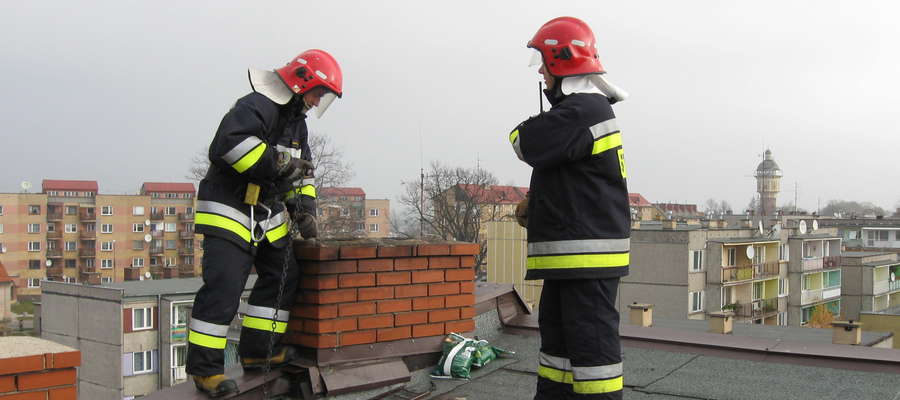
32, 368
365, 295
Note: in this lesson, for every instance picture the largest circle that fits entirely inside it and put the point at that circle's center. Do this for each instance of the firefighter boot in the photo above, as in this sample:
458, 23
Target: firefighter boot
279, 359
215, 385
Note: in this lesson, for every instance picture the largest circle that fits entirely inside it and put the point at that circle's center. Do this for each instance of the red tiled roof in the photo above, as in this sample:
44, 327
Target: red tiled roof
678, 208
636, 200
84, 186
4, 277
167, 187
342, 191
495, 194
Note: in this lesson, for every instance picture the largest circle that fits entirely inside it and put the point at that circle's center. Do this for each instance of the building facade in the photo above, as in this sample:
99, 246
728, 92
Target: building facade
345, 212
871, 282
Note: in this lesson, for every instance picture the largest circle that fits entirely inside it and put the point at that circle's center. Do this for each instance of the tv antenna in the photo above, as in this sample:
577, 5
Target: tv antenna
25, 185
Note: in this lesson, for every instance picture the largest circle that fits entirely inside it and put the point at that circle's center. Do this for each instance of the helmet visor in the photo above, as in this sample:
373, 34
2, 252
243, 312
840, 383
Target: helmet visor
324, 102
536, 58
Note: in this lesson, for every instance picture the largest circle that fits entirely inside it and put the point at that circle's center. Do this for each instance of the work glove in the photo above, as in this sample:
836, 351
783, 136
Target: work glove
291, 168
305, 224
522, 212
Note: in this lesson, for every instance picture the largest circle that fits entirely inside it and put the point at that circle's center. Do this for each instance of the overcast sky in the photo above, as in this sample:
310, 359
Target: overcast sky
125, 92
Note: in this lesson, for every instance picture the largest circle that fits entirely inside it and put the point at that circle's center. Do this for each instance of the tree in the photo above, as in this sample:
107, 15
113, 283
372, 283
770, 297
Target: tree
717, 207
821, 317
852, 208
790, 208
753, 206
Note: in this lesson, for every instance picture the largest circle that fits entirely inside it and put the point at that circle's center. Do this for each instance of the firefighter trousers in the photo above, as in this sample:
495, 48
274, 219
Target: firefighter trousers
580, 356
225, 270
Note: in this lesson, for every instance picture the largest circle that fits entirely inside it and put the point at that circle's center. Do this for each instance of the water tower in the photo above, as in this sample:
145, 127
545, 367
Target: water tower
768, 184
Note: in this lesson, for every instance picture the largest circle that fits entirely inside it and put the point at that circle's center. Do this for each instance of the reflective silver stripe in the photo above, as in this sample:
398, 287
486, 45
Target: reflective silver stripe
223, 210
604, 128
579, 246
294, 152
273, 222
518, 150
207, 328
560, 363
308, 181
596, 373
242, 148
267, 312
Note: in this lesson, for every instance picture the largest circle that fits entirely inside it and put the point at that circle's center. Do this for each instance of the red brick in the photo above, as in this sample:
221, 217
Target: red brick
460, 326
329, 325
467, 312
427, 330
403, 264
332, 296
411, 291
443, 315
467, 287
295, 324
462, 300
7, 383
443, 262
395, 251
386, 306
411, 318
352, 252
433, 249
46, 379
42, 395
467, 261
315, 341
63, 360
307, 252
388, 334
359, 337
319, 282
427, 276
314, 311
393, 278
350, 309
376, 321
428, 303
66, 393
465, 274
356, 280
440, 289
329, 267
465, 249
375, 293
376, 265
16, 365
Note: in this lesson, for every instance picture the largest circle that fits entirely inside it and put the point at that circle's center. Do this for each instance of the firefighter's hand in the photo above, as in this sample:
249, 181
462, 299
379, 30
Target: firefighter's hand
522, 212
306, 224
291, 168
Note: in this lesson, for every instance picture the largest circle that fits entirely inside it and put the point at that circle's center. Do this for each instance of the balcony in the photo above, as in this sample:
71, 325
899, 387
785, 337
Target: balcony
830, 262
90, 278
54, 253
757, 309
87, 253
186, 271
55, 271
54, 216
132, 274
895, 285
84, 269
186, 217
87, 215
170, 272
156, 250
811, 264
54, 235
87, 235
810, 296
748, 272
156, 234
186, 251
156, 216
828, 293
185, 234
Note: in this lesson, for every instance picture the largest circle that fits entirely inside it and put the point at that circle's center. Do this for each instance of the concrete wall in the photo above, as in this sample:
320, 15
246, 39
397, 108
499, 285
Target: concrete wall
669, 302
882, 323
140, 385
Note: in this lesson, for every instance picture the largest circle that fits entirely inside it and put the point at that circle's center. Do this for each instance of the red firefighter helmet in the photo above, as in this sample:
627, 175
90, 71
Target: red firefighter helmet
312, 68
567, 47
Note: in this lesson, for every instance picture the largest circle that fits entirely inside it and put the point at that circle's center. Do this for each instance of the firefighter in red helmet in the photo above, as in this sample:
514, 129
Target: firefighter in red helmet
259, 188
577, 215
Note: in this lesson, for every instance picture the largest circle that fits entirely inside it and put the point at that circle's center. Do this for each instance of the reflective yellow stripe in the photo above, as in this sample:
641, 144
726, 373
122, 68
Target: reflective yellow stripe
598, 386
277, 233
554, 374
308, 190
219, 221
579, 261
249, 159
607, 142
513, 136
212, 342
264, 324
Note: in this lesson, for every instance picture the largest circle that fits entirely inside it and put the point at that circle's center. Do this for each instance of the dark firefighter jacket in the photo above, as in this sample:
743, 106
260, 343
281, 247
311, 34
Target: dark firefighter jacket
579, 220
244, 150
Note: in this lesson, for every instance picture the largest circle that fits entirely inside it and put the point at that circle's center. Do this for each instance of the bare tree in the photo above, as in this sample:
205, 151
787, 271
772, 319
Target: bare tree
852, 208
199, 165
717, 207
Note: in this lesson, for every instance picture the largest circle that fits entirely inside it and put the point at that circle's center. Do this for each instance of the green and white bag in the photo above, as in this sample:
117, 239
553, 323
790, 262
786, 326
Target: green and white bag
456, 360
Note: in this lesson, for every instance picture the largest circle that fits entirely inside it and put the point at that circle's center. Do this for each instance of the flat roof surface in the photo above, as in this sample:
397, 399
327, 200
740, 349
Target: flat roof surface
745, 240
819, 236
21, 346
785, 333
864, 253
154, 287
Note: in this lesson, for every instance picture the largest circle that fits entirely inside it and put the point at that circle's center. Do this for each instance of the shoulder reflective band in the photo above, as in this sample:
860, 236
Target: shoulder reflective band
308, 190
604, 128
278, 232
579, 261
607, 142
579, 246
514, 140
245, 154
267, 312
206, 334
264, 324
224, 217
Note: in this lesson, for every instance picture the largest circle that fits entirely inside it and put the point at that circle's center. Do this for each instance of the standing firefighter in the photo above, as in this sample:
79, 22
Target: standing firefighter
258, 185
577, 215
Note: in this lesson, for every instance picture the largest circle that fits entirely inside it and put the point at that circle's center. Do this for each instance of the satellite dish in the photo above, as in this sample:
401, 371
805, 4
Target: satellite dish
148, 238
147, 222
802, 227
25, 185
750, 252
48, 263
759, 225
147, 274
815, 225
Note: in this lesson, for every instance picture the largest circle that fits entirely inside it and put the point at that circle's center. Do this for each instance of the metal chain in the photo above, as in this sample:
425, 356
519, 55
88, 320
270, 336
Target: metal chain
278, 299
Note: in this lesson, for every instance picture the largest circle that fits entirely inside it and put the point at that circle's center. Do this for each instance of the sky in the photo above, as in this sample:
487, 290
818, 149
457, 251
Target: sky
124, 92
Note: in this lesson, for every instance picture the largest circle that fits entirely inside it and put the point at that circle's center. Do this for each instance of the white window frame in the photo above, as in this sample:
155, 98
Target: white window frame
696, 260
783, 318
373, 212
696, 298
782, 287
106, 210
32, 208
106, 263
89, 262
103, 228
137, 262
1, 227
105, 279
785, 252
171, 195
33, 228
34, 246
73, 209
148, 318
69, 279
34, 283
71, 228
171, 227
51, 227
731, 257
373, 227
175, 357
70, 245
170, 211
106, 246
137, 210
174, 315
722, 296
146, 362
137, 228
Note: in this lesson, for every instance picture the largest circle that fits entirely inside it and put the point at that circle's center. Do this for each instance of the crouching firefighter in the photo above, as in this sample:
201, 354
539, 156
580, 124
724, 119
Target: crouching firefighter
576, 214
258, 185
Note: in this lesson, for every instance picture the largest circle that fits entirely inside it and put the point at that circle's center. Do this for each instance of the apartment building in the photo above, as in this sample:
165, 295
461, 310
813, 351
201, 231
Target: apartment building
867, 234
378, 218
871, 282
133, 334
814, 269
72, 233
345, 212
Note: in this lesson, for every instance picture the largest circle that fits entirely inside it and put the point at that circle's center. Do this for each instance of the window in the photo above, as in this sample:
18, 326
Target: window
171, 195
757, 290
71, 245
373, 212
34, 246
154, 261
170, 226
71, 228
696, 301
180, 314
88, 262
71, 210
137, 245
1, 228
69, 279
70, 263
34, 228
782, 287
70, 194
34, 282
697, 260
89, 227
759, 254
1, 210
51, 227
106, 263
832, 278
51, 244
344, 212
137, 262
154, 195
726, 295
187, 260
782, 318
188, 226
373, 227
143, 361
137, 210
170, 210
34, 210
732, 256
105, 279
179, 355
189, 210
783, 251
170, 262
34, 264
106, 228
106, 246
106, 210
359, 212
883, 235
141, 318
360, 226
805, 315
137, 228
170, 244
